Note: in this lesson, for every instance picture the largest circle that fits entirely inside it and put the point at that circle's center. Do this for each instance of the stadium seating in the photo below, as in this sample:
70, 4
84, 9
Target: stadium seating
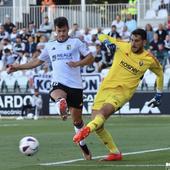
150, 14
10, 82
150, 79
163, 13
21, 80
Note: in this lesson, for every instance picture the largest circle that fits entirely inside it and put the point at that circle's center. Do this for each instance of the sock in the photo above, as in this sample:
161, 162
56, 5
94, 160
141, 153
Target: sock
77, 128
96, 123
107, 139
57, 105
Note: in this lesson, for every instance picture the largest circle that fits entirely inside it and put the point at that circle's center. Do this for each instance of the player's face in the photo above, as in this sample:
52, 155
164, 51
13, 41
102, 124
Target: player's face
137, 44
62, 33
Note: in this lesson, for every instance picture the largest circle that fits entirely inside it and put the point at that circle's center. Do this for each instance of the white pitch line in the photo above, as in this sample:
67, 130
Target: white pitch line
8, 125
96, 157
113, 165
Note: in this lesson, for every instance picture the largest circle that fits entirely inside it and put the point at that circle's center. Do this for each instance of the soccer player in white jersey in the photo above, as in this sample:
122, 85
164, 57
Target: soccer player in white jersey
67, 90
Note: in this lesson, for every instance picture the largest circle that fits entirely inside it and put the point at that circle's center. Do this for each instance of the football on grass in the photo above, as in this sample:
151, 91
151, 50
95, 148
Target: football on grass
28, 145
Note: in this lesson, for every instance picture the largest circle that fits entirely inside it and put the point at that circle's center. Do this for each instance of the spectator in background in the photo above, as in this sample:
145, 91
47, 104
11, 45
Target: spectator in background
30, 47
8, 25
130, 23
87, 36
23, 57
93, 40
167, 43
153, 46
24, 34
99, 57
43, 41
37, 103
162, 5
31, 28
161, 32
162, 54
149, 33
99, 31
118, 23
125, 34
6, 44
3, 33
18, 45
113, 33
46, 26
13, 34
34, 106
8, 58
75, 32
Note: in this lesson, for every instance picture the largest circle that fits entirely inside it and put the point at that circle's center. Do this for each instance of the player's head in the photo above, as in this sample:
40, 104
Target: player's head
61, 28
138, 40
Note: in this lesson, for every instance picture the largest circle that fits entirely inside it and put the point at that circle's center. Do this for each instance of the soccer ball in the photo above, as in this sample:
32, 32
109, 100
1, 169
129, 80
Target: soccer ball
28, 145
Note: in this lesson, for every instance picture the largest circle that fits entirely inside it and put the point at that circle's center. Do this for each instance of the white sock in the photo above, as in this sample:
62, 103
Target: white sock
57, 102
82, 142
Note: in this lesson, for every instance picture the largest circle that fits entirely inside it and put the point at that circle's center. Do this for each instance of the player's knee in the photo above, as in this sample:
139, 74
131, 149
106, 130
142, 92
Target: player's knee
107, 110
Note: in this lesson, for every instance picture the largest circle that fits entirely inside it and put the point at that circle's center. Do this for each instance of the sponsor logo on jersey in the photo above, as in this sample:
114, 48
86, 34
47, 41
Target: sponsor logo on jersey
140, 63
62, 56
129, 67
68, 47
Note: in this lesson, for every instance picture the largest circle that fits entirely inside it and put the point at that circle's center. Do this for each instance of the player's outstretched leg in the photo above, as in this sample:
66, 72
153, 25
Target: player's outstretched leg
91, 126
62, 108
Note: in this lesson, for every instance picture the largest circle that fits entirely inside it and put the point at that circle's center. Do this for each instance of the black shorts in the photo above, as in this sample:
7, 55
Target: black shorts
74, 96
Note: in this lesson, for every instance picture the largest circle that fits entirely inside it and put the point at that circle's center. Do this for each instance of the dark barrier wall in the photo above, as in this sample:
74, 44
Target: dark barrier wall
137, 105
11, 104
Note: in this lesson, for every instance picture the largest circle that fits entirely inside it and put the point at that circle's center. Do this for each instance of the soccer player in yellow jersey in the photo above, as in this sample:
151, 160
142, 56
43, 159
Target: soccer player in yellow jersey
130, 63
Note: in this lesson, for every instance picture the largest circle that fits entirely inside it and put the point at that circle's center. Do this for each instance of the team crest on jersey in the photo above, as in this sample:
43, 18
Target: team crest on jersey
68, 47
140, 63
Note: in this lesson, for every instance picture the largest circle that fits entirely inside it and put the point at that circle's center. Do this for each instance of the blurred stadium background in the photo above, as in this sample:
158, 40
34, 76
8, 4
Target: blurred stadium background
25, 27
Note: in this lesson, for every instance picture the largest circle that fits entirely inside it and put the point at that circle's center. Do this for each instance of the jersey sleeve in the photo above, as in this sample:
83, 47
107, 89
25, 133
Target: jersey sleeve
83, 48
158, 70
44, 56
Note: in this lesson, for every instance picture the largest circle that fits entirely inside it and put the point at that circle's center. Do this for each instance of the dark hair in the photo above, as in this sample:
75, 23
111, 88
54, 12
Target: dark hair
61, 22
140, 32
6, 50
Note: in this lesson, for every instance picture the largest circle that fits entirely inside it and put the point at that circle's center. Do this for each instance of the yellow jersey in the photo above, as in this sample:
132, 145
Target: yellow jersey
127, 70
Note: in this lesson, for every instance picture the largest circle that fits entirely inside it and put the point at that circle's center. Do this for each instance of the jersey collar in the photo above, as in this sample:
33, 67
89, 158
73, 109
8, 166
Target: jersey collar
63, 41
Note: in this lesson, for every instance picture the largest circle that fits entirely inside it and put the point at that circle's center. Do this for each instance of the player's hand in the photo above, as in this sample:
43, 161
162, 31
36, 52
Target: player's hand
109, 46
12, 68
156, 101
72, 64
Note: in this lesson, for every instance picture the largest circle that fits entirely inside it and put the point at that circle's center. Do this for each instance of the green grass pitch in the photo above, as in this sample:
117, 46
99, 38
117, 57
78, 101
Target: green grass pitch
131, 133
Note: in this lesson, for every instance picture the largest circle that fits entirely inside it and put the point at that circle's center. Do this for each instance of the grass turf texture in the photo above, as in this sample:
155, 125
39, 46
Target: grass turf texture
131, 133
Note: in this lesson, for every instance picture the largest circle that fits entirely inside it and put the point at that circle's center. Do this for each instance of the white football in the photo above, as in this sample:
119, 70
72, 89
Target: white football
28, 145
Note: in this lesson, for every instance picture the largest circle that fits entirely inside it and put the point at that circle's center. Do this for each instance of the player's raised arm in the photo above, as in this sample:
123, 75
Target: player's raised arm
157, 69
30, 65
